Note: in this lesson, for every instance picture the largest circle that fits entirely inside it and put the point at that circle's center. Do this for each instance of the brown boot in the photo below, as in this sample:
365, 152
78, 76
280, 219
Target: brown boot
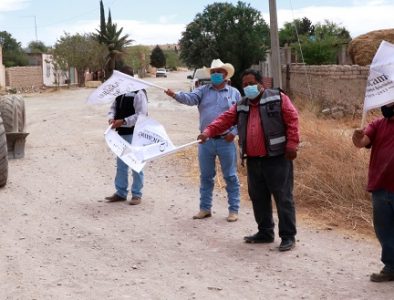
135, 200
202, 214
115, 198
232, 217
382, 276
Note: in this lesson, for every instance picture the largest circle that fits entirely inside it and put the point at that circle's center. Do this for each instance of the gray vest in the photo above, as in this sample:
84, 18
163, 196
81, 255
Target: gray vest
271, 120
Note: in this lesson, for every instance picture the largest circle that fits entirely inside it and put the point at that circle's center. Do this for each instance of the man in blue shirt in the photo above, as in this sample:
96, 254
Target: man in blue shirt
212, 100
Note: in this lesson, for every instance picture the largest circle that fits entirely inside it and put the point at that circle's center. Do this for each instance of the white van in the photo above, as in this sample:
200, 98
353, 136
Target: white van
200, 77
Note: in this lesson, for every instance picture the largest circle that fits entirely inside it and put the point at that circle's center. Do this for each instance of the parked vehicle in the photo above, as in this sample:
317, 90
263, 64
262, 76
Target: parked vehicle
200, 77
12, 135
161, 72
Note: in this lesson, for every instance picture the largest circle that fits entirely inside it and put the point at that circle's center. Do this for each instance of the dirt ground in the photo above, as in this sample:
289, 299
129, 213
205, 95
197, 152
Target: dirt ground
60, 239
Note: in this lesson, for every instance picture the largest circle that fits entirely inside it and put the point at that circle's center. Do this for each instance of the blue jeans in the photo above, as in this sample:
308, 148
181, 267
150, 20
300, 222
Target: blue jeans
383, 221
122, 176
227, 154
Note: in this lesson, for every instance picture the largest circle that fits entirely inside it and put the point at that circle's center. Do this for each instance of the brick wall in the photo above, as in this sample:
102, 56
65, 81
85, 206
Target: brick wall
331, 85
24, 77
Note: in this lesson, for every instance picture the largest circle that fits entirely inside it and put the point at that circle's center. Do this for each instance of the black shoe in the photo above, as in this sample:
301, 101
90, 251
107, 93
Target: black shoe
287, 244
258, 239
382, 276
115, 198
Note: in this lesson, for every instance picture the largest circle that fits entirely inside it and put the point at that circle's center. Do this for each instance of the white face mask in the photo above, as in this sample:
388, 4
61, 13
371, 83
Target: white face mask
251, 91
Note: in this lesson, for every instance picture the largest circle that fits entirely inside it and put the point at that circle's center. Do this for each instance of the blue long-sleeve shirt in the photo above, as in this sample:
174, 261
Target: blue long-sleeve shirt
210, 101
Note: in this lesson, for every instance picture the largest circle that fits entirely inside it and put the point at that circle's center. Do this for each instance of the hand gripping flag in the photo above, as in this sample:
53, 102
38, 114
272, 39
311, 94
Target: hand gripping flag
380, 83
118, 84
150, 141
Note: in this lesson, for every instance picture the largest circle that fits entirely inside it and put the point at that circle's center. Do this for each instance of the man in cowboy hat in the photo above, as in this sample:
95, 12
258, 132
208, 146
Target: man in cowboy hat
212, 100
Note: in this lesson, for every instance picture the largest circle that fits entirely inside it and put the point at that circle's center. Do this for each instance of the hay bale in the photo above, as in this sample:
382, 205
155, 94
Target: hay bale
363, 48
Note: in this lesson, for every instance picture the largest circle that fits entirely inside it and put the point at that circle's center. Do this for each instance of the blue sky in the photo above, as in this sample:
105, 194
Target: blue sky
153, 22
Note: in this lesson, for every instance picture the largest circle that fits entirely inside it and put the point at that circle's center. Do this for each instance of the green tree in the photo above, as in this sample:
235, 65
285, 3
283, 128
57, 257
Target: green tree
13, 54
235, 34
157, 58
319, 43
172, 58
331, 29
136, 57
103, 27
322, 47
110, 36
288, 33
37, 47
80, 51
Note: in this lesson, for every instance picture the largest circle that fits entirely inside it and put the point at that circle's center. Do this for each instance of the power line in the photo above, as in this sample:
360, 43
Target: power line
302, 55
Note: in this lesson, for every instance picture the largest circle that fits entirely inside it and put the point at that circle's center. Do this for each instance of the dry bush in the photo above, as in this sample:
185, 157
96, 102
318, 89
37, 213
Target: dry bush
331, 174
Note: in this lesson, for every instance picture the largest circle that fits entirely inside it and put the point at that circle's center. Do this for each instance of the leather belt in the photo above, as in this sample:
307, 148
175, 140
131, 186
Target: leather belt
216, 137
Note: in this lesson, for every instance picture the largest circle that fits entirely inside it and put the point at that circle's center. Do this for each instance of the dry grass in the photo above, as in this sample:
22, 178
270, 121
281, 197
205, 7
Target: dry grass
330, 175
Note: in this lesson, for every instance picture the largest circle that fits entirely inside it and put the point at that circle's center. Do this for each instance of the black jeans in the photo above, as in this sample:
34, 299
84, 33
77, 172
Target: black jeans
383, 221
272, 176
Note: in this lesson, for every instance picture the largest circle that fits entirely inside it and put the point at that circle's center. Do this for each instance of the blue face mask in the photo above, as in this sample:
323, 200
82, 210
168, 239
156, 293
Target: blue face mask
217, 78
251, 91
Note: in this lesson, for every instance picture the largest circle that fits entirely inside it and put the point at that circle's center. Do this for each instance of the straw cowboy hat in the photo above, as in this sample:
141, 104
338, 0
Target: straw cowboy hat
218, 64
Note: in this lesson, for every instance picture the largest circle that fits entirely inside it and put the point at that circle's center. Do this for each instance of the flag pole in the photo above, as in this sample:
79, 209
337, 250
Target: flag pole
149, 83
171, 151
363, 119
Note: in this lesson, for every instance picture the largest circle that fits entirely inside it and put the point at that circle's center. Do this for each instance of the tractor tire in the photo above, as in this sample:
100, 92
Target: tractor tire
9, 114
21, 112
3, 155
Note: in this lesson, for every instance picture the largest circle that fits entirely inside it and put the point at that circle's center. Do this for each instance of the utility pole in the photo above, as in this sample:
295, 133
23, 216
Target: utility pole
35, 25
275, 56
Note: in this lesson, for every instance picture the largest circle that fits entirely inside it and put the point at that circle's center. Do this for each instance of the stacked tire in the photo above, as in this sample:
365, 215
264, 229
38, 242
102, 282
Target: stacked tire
3, 155
12, 119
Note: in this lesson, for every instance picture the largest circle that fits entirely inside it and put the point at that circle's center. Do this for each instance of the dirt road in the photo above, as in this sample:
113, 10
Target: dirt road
60, 240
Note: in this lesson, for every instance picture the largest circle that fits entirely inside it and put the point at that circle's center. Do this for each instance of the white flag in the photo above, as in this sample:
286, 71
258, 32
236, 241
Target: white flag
118, 84
150, 141
123, 150
380, 84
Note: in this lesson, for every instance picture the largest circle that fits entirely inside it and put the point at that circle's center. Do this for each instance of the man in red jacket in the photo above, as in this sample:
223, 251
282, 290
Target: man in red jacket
379, 136
268, 133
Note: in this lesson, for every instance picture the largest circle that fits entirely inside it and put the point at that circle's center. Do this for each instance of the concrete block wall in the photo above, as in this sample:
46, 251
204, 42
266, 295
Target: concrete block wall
331, 85
29, 77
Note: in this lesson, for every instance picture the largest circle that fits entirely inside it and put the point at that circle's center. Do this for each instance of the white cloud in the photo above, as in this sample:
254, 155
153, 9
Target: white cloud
10, 5
167, 19
140, 32
358, 19
152, 33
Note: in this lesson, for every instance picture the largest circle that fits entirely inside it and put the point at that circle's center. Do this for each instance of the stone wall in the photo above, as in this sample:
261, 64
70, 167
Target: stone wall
20, 78
333, 86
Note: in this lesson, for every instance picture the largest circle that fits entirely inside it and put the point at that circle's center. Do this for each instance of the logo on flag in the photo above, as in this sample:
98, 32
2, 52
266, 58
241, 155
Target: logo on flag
150, 141
118, 84
380, 84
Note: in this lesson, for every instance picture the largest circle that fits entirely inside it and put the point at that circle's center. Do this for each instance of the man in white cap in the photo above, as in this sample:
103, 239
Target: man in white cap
212, 100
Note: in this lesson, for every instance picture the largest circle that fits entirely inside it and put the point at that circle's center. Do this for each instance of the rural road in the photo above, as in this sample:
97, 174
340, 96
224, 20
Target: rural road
60, 240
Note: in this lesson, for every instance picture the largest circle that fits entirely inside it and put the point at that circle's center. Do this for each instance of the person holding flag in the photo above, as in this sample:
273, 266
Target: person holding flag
123, 116
379, 136
212, 100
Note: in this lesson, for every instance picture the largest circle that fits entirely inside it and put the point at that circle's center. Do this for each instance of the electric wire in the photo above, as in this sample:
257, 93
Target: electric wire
302, 55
